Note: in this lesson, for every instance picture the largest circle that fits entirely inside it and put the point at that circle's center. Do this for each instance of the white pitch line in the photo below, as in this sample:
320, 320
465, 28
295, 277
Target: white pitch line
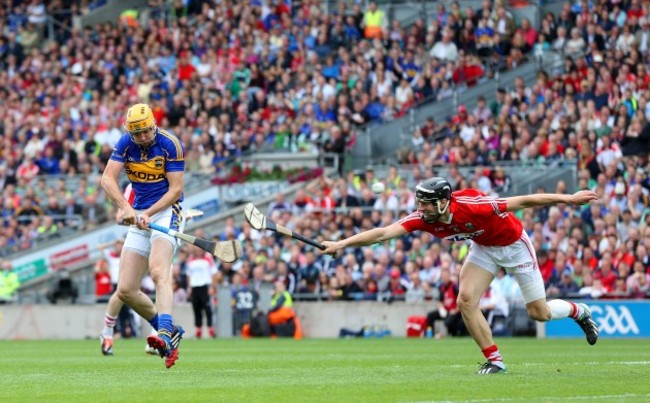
542, 364
543, 398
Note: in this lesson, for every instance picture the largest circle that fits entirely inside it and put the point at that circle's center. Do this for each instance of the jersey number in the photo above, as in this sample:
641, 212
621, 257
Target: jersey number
244, 300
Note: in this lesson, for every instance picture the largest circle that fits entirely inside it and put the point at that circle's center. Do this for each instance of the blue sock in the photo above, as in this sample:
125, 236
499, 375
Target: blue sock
165, 326
154, 322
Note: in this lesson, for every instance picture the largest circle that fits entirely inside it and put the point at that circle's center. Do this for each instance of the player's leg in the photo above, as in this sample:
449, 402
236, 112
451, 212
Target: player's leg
133, 266
110, 318
160, 259
534, 293
581, 313
532, 289
474, 280
163, 247
169, 335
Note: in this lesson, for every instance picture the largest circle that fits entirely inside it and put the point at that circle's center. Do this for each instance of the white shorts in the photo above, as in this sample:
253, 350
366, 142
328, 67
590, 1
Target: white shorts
517, 258
140, 241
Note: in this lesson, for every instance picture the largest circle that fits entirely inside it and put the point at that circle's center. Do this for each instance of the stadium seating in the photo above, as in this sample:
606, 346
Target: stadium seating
304, 75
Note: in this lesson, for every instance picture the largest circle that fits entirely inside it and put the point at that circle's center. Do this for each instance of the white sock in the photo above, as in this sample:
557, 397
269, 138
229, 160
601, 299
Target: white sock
561, 309
109, 327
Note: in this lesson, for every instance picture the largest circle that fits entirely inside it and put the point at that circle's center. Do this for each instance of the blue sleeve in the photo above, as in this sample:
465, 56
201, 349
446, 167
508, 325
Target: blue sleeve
119, 151
175, 161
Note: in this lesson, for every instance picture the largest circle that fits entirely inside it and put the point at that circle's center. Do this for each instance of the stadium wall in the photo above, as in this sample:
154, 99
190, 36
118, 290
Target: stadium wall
616, 319
319, 319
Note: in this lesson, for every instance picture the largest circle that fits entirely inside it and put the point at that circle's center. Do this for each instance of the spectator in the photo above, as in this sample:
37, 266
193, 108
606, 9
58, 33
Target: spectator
446, 309
374, 22
9, 282
445, 50
103, 286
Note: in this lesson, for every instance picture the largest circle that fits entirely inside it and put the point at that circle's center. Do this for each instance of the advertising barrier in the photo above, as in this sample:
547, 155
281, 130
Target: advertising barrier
615, 319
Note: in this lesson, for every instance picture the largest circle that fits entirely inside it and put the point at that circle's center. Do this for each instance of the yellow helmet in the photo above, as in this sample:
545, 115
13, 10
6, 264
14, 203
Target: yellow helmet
139, 118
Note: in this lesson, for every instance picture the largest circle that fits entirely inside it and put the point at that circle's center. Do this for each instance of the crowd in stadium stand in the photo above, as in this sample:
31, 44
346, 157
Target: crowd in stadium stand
246, 78
596, 112
240, 78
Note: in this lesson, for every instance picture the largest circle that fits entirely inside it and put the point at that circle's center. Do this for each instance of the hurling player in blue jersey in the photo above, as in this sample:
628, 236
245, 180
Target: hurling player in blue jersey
154, 160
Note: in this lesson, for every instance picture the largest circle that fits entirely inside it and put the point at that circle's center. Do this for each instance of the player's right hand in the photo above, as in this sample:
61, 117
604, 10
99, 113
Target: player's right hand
127, 216
331, 248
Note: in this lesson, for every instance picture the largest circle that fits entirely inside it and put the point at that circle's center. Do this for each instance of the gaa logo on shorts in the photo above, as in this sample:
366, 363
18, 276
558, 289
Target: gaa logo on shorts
612, 321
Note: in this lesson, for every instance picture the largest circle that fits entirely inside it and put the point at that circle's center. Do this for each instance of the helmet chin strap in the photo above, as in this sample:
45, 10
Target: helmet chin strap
441, 212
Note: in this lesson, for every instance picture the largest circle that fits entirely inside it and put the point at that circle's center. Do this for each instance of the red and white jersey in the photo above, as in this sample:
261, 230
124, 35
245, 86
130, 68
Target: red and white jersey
113, 260
200, 270
129, 194
485, 220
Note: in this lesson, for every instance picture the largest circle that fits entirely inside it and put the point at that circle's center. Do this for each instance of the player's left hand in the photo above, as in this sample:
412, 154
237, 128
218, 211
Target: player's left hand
143, 221
583, 197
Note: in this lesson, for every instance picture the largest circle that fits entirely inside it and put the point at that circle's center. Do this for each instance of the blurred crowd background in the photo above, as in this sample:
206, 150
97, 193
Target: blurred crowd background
234, 78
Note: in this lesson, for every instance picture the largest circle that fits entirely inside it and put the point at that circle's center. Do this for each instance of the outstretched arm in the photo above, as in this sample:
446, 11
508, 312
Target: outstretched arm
366, 238
546, 199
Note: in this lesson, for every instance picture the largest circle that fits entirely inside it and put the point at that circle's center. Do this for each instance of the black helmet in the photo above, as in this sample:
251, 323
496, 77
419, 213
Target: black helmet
433, 189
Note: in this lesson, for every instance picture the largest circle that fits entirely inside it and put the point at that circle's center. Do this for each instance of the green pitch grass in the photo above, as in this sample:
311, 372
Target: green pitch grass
353, 370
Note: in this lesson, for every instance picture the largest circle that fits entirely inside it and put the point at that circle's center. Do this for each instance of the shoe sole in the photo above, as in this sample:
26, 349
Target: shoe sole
157, 343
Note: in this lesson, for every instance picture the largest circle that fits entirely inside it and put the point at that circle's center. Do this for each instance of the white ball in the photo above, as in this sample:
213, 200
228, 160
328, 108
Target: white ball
378, 187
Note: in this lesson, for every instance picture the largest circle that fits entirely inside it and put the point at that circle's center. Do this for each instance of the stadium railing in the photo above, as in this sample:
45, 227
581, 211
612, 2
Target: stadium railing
194, 182
526, 176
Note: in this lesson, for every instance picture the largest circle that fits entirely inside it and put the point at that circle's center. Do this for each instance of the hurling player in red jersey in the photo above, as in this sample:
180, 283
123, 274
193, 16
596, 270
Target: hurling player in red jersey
498, 240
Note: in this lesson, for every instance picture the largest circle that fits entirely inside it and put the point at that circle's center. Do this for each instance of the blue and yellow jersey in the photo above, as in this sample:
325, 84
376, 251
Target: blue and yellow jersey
147, 168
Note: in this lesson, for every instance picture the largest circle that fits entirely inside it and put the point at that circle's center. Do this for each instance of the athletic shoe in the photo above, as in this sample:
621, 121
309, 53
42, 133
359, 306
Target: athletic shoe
212, 332
177, 336
489, 368
198, 333
107, 345
588, 325
167, 349
150, 350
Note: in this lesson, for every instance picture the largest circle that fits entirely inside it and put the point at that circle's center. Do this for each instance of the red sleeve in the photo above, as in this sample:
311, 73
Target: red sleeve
412, 222
489, 205
482, 205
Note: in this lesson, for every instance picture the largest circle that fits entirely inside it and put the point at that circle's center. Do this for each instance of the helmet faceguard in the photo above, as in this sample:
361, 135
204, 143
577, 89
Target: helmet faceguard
139, 119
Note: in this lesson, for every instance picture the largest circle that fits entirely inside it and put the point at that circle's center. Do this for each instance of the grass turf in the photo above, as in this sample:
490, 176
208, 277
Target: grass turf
353, 370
